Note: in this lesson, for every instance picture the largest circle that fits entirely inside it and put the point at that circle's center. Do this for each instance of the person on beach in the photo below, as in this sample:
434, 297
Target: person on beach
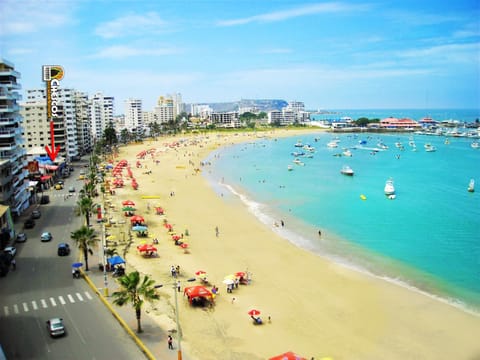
173, 271
170, 342
14, 264
178, 286
217, 232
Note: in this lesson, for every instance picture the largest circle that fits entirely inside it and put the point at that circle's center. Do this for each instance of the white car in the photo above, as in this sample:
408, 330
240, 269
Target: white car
21, 237
46, 236
12, 250
55, 327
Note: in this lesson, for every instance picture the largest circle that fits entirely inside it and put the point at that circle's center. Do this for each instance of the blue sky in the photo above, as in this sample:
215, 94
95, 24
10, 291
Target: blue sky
330, 55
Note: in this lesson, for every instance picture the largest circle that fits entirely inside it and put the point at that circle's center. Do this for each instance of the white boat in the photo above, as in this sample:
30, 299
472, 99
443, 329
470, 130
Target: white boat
333, 144
429, 147
298, 144
298, 162
382, 146
471, 186
475, 145
389, 188
289, 168
347, 152
347, 170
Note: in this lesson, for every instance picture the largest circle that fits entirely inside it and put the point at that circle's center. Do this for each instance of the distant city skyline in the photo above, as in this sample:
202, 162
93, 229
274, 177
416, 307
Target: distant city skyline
329, 55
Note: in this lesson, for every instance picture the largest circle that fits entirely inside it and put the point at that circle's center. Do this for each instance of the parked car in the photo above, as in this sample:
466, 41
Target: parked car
63, 249
36, 214
58, 186
55, 327
45, 199
46, 236
12, 250
29, 224
21, 237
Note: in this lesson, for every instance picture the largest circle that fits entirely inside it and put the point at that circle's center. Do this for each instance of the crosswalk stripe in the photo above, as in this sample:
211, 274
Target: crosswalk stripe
79, 296
15, 309
34, 305
62, 300
6, 311
70, 297
52, 301
88, 295
44, 303
25, 307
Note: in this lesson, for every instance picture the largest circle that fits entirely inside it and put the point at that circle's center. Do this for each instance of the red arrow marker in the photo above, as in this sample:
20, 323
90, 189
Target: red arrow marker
52, 153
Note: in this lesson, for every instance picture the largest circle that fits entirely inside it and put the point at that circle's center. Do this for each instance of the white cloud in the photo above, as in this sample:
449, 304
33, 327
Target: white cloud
32, 16
122, 51
447, 53
321, 8
131, 25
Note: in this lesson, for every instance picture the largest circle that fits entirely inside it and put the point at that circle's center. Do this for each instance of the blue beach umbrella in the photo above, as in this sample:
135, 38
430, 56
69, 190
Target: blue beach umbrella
77, 265
139, 228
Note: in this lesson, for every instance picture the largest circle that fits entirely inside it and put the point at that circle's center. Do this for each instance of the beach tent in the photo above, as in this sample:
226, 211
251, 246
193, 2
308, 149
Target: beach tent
288, 356
146, 248
198, 291
140, 228
115, 260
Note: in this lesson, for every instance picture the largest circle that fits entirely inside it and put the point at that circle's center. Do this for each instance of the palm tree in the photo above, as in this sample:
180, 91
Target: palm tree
85, 206
135, 291
84, 238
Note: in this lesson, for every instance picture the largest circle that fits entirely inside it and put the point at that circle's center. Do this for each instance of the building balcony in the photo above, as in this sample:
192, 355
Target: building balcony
9, 108
7, 132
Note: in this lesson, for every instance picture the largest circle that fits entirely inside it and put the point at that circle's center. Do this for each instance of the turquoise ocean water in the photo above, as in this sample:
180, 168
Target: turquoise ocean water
427, 238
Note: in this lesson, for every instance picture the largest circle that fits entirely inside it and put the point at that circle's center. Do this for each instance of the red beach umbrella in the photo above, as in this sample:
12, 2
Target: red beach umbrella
128, 202
289, 355
254, 312
184, 245
137, 218
200, 272
146, 248
240, 274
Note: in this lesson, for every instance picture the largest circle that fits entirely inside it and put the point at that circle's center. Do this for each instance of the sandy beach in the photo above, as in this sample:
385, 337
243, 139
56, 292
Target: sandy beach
317, 308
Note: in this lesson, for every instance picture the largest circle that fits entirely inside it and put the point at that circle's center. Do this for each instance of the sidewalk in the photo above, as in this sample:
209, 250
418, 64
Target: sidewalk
153, 338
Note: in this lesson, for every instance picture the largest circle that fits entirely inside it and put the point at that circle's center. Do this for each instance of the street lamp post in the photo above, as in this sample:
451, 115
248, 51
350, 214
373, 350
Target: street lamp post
179, 339
179, 336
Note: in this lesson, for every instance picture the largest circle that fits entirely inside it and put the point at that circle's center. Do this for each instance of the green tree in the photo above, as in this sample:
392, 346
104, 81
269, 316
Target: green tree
85, 238
125, 136
86, 207
110, 135
135, 291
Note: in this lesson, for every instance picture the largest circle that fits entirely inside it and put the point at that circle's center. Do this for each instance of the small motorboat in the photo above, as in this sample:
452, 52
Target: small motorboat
347, 170
389, 187
471, 186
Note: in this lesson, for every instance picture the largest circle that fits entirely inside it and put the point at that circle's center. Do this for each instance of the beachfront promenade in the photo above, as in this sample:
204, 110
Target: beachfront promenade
153, 339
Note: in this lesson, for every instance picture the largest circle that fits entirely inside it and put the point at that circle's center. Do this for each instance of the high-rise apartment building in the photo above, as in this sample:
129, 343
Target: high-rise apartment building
133, 116
71, 128
13, 185
101, 114
165, 110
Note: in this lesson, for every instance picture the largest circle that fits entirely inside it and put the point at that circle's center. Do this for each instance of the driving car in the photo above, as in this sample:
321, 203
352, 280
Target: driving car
36, 214
29, 224
55, 327
63, 249
58, 186
21, 237
12, 250
46, 236
71, 189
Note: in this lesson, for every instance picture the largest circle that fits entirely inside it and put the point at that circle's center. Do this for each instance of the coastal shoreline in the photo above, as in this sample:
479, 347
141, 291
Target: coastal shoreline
364, 295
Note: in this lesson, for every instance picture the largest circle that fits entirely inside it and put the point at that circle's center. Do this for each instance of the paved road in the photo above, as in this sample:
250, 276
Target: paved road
42, 287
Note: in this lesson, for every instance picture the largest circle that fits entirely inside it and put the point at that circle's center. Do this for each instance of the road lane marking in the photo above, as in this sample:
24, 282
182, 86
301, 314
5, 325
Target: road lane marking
25, 307
34, 305
44, 303
79, 296
5, 310
70, 297
62, 300
87, 294
15, 309
52, 301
